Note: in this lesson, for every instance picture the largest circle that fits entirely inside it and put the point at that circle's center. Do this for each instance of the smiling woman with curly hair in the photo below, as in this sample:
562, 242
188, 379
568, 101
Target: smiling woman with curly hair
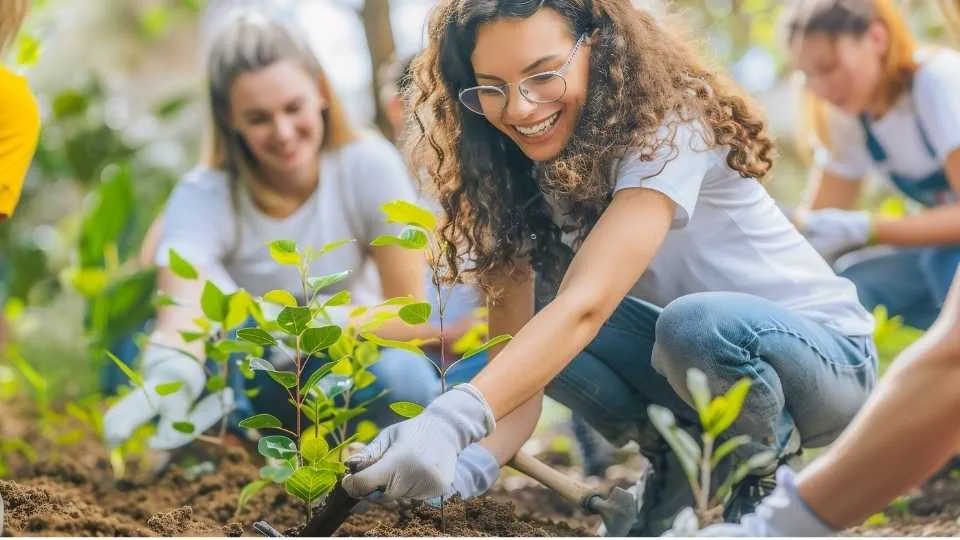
584, 144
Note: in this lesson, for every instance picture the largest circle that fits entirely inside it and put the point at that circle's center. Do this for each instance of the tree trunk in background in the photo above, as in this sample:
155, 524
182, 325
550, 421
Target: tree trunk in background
376, 24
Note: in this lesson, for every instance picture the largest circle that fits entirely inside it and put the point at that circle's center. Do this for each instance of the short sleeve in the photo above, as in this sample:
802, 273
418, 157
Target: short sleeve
19, 133
847, 156
198, 220
677, 171
377, 176
937, 101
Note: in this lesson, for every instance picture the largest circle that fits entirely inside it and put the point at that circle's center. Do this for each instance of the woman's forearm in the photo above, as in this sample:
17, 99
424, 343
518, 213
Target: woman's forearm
935, 226
908, 429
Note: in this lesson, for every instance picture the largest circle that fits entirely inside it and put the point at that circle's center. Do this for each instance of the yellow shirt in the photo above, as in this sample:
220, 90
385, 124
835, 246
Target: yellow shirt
19, 134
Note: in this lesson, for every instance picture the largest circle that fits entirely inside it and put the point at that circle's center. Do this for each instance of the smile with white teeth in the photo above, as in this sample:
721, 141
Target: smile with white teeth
538, 129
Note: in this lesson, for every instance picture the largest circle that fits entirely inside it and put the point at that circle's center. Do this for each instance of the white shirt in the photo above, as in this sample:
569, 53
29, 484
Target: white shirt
934, 102
201, 224
729, 235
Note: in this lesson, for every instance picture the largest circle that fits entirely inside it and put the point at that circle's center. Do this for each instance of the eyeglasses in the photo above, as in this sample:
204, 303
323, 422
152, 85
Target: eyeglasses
546, 87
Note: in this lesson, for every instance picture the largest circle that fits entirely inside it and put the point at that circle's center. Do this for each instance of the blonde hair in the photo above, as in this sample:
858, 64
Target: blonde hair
835, 18
251, 42
12, 14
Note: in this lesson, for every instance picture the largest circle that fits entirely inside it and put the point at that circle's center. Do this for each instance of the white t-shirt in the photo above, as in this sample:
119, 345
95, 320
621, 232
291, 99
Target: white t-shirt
729, 235
200, 223
934, 103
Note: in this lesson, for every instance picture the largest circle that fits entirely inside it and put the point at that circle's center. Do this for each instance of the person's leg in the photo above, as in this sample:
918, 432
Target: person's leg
893, 278
808, 380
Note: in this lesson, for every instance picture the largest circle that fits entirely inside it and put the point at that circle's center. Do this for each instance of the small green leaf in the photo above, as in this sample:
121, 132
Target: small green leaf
233, 346
334, 245
164, 300
488, 345
366, 431
281, 298
190, 337
181, 267
407, 213
411, 346
417, 313
406, 409
256, 335
399, 301
215, 383
322, 282
313, 446
664, 421
727, 448
294, 320
700, 390
341, 298
249, 491
28, 49
213, 302
314, 340
734, 399
261, 421
287, 379
184, 427
411, 238
134, 377
284, 252
364, 379
238, 307
877, 520
277, 447
277, 473
259, 364
309, 484
166, 389
315, 377
252, 392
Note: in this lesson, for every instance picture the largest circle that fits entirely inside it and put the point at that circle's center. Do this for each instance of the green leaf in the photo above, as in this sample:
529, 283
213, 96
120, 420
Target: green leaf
213, 302
232, 346
334, 452
259, 364
154, 21
322, 282
284, 252
406, 409
164, 300
277, 473
407, 213
700, 390
261, 421
249, 491
180, 266
334, 245
734, 399
165, 389
184, 427
315, 377
28, 49
727, 448
411, 346
399, 301
281, 298
366, 431
877, 520
417, 313
313, 446
488, 345
190, 337
171, 107
256, 336
666, 424
310, 484
412, 238
252, 392
134, 377
277, 447
287, 379
70, 103
238, 307
314, 340
294, 320
364, 379
215, 383
341, 298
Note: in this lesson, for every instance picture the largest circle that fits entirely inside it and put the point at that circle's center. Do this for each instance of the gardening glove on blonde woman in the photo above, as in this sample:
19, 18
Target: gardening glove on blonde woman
783, 513
162, 366
418, 458
833, 232
477, 471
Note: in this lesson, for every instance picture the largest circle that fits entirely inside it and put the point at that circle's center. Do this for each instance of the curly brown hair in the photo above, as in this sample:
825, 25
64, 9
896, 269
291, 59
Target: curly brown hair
642, 77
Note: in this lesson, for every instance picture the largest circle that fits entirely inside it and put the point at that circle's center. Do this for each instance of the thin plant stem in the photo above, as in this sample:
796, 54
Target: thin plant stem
703, 495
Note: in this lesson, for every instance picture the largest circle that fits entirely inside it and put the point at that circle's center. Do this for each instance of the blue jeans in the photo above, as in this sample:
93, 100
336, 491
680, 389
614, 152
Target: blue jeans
910, 282
808, 380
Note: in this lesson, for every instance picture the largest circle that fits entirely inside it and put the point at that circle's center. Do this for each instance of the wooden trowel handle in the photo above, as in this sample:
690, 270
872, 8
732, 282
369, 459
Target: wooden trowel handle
570, 489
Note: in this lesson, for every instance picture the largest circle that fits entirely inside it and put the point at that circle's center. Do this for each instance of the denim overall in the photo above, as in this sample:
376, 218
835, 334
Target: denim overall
938, 264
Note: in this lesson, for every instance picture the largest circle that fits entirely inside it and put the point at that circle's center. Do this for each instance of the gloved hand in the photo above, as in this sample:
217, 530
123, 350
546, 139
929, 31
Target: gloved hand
417, 458
833, 232
782, 513
477, 470
160, 366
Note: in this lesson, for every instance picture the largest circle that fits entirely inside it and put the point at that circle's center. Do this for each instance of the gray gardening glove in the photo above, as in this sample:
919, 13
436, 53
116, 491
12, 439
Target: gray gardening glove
782, 513
833, 232
417, 458
477, 471
161, 366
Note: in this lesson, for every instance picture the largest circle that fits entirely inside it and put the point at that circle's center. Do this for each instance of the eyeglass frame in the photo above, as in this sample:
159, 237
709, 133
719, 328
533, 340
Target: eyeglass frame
560, 72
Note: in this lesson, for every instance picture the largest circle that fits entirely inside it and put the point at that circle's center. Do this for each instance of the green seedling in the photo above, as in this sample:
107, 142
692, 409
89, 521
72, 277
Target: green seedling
699, 461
